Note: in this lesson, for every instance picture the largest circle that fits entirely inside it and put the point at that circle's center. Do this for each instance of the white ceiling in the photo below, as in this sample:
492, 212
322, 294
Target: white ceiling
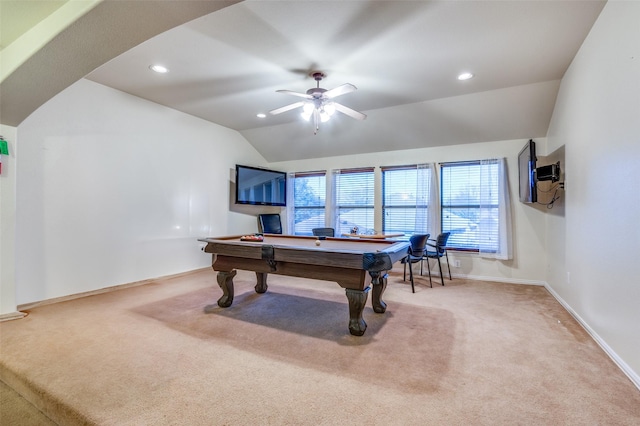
403, 56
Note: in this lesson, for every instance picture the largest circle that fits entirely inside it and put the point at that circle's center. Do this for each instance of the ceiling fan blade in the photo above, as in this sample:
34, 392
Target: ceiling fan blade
340, 90
286, 108
300, 95
350, 112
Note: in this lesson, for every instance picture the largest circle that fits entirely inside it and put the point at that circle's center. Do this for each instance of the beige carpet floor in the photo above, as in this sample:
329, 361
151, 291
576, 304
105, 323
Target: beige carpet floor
15, 410
164, 353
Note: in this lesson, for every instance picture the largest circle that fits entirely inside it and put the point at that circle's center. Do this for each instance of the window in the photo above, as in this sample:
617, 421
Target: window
475, 207
309, 192
406, 196
460, 203
354, 200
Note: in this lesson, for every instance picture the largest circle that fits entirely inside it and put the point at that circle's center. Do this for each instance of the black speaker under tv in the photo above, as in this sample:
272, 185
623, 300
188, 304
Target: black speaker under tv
260, 187
526, 171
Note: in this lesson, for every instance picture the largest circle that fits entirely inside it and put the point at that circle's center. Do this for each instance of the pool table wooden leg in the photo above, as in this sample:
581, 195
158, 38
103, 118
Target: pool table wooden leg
261, 282
357, 300
225, 281
379, 281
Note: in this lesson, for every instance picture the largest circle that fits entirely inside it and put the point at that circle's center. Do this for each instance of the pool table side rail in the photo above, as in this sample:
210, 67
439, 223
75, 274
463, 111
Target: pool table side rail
343, 258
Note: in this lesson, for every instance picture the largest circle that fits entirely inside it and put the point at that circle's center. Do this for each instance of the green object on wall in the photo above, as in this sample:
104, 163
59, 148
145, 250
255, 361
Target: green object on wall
4, 148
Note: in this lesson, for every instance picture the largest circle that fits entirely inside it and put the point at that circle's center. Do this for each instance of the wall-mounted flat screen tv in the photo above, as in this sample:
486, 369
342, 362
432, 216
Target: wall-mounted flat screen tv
261, 187
526, 168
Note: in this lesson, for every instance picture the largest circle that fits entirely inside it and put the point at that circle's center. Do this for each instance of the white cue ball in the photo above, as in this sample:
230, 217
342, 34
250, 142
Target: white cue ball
317, 242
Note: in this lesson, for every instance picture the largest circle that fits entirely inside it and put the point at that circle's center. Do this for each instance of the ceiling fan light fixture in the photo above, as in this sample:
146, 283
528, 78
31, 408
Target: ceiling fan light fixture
324, 117
319, 102
329, 108
307, 108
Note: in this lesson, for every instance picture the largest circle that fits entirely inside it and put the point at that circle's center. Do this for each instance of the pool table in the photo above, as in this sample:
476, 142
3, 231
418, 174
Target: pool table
353, 263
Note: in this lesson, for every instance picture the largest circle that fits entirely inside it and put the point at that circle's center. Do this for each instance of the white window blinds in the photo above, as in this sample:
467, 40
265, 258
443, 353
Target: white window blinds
408, 196
309, 195
354, 200
475, 207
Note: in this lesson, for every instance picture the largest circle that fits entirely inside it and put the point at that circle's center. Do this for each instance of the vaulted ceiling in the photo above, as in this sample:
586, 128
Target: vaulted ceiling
226, 63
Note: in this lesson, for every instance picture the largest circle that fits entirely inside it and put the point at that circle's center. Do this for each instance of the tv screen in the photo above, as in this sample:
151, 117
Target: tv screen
526, 168
260, 187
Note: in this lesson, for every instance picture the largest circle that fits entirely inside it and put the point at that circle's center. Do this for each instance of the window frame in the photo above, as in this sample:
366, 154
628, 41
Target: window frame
299, 175
478, 206
409, 231
339, 207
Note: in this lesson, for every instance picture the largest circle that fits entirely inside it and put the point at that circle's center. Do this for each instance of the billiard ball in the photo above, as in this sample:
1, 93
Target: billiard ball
317, 242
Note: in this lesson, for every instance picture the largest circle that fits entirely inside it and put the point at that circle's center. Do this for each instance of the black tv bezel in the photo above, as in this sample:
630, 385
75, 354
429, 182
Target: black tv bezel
260, 203
530, 151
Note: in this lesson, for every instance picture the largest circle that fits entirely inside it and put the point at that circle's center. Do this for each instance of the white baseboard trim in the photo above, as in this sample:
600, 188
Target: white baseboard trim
507, 280
12, 316
628, 371
32, 305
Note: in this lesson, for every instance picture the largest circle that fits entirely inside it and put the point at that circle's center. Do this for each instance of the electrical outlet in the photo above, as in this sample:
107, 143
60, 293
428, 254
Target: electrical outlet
456, 263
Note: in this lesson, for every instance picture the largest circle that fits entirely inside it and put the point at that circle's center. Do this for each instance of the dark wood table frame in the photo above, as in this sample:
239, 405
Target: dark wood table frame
348, 262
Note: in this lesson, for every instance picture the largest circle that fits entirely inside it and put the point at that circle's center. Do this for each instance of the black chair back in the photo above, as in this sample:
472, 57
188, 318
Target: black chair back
418, 243
441, 242
270, 223
439, 250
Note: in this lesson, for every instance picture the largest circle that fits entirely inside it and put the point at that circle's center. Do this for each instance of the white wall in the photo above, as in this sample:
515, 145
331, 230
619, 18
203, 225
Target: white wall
7, 225
112, 189
529, 263
597, 119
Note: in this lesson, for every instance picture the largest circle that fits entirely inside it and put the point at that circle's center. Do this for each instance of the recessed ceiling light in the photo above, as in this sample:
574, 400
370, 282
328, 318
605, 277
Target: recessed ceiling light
158, 68
261, 115
465, 76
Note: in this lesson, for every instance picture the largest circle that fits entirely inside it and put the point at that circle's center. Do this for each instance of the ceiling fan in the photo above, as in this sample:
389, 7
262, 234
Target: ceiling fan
319, 102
